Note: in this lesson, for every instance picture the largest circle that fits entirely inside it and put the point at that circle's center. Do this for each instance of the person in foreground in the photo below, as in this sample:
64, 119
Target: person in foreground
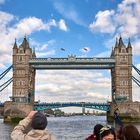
38, 123
107, 133
96, 133
128, 132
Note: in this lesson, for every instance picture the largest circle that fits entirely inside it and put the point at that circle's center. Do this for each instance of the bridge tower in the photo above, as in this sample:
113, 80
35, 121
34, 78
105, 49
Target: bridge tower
122, 72
23, 73
22, 100
129, 111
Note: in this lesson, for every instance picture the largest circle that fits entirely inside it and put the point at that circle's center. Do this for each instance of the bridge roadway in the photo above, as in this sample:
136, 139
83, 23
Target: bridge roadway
72, 62
98, 106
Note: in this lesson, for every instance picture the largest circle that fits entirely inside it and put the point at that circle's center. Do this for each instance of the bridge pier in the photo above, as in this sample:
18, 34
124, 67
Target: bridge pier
14, 111
128, 112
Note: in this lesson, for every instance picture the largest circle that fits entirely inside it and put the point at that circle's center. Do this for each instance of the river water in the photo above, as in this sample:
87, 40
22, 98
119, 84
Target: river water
64, 128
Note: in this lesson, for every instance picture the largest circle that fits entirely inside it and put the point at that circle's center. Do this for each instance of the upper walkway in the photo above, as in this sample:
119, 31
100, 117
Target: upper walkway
72, 62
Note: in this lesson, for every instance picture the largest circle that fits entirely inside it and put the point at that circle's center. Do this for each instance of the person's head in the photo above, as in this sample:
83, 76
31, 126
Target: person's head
107, 133
39, 121
130, 132
96, 131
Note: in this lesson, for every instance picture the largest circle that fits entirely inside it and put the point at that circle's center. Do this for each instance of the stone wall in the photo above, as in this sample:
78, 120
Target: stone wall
128, 112
14, 111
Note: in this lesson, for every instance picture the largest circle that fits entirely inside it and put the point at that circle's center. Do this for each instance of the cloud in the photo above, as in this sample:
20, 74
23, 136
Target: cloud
62, 25
136, 47
124, 20
68, 12
69, 85
2, 1
104, 22
45, 54
13, 27
97, 96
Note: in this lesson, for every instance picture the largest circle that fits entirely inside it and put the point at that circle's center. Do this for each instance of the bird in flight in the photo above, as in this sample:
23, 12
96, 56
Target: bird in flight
85, 49
62, 49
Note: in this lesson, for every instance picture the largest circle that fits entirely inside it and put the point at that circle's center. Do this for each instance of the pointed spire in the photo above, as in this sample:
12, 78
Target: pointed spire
15, 44
33, 54
112, 53
121, 42
25, 43
129, 44
116, 45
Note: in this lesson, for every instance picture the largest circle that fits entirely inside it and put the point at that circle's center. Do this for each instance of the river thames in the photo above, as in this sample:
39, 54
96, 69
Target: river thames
64, 128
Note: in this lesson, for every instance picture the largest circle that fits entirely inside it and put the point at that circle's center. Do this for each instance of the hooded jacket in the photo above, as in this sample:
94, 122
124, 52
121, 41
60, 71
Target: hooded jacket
19, 132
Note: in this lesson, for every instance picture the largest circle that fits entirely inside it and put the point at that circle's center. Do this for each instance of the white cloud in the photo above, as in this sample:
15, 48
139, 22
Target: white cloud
104, 22
124, 20
136, 47
71, 85
2, 1
45, 54
28, 25
62, 25
98, 96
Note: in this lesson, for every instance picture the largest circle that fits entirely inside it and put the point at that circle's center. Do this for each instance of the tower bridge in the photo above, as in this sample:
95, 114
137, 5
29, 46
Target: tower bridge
25, 64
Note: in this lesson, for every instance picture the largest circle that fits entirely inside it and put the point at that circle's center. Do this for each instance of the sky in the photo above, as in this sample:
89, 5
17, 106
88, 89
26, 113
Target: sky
74, 25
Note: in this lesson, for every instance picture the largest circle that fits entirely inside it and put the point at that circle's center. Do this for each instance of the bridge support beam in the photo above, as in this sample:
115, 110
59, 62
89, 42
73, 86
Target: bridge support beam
13, 111
128, 112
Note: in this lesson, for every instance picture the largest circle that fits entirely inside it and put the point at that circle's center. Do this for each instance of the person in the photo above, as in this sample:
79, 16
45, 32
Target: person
107, 133
128, 132
38, 123
96, 133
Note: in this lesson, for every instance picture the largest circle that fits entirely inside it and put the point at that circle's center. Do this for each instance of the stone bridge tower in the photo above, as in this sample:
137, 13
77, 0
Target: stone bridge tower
128, 110
122, 72
23, 73
22, 100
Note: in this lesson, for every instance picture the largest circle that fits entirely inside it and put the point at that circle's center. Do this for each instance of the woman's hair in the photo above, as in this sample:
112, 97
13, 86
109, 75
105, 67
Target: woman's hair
97, 129
106, 130
130, 132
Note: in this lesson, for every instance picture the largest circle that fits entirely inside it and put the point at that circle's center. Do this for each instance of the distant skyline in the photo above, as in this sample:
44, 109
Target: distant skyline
58, 28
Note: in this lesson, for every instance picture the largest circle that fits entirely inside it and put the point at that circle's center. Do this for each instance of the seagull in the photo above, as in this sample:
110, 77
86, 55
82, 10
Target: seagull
85, 49
62, 49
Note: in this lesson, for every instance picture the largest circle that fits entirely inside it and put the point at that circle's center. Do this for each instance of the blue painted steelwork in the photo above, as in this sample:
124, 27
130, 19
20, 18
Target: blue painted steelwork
98, 106
72, 62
